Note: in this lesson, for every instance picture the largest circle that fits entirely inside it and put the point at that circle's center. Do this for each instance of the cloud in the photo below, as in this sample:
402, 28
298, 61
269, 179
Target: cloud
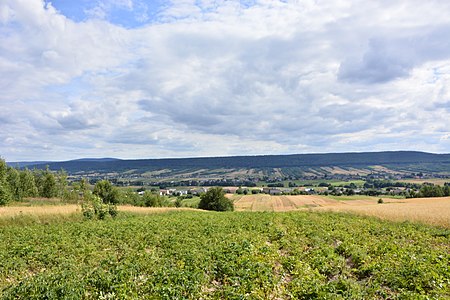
389, 58
222, 78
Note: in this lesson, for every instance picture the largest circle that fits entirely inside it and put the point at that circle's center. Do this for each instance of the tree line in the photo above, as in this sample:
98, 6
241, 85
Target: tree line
15, 185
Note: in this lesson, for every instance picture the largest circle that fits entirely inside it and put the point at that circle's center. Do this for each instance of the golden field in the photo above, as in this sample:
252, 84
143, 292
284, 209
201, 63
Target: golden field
15, 211
433, 211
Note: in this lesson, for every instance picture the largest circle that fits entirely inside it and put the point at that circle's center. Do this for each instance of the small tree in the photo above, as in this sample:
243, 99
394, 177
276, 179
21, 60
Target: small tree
152, 200
47, 184
93, 207
214, 199
61, 181
107, 192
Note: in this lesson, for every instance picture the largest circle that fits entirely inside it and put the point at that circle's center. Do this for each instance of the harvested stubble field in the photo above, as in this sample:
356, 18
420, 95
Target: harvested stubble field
45, 214
433, 211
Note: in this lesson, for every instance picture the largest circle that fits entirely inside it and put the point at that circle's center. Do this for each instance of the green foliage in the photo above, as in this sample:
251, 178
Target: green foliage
46, 183
430, 190
214, 199
198, 255
13, 181
107, 192
380, 201
93, 207
189, 201
61, 181
28, 185
5, 195
152, 200
128, 196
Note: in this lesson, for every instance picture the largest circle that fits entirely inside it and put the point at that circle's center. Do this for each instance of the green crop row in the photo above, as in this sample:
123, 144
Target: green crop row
207, 255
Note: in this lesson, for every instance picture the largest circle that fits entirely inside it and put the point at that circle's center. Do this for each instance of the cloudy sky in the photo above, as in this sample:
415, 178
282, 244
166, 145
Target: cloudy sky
183, 78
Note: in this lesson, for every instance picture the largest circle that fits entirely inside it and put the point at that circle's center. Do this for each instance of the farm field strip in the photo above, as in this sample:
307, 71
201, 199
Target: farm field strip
14, 211
433, 211
209, 255
17, 211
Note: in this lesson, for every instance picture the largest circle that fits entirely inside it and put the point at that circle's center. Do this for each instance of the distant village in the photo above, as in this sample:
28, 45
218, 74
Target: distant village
374, 184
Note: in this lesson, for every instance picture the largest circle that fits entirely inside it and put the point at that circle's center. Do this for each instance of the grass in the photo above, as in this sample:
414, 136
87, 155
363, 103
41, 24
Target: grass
192, 202
38, 214
37, 202
240, 255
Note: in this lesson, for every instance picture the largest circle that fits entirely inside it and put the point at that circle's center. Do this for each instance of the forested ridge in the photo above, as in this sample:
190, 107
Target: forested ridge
392, 158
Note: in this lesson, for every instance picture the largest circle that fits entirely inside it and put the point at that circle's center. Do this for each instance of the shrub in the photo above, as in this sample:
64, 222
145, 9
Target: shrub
152, 200
214, 199
93, 208
107, 192
380, 201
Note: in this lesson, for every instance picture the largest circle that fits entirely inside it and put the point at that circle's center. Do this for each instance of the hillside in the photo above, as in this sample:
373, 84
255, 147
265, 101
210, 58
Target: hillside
395, 160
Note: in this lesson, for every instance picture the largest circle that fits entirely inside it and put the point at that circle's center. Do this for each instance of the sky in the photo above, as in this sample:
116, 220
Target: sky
189, 78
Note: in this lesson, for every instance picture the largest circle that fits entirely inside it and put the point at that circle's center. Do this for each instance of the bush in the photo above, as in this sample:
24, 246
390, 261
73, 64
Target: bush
107, 192
214, 199
92, 207
152, 200
380, 201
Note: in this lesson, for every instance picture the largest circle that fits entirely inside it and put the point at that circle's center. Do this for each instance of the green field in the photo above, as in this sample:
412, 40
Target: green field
206, 255
314, 182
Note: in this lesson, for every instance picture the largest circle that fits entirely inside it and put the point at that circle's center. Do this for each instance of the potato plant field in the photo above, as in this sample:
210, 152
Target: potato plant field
238, 255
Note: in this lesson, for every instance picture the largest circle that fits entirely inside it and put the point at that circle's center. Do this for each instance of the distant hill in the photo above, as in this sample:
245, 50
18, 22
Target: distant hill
405, 160
106, 159
29, 164
40, 164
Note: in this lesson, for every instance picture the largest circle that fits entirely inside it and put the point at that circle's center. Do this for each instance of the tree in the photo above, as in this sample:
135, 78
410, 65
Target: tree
13, 179
107, 192
428, 190
61, 180
48, 188
28, 184
214, 199
152, 200
5, 194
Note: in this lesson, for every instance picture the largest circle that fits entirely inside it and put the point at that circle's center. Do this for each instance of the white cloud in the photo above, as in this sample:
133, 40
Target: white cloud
224, 78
